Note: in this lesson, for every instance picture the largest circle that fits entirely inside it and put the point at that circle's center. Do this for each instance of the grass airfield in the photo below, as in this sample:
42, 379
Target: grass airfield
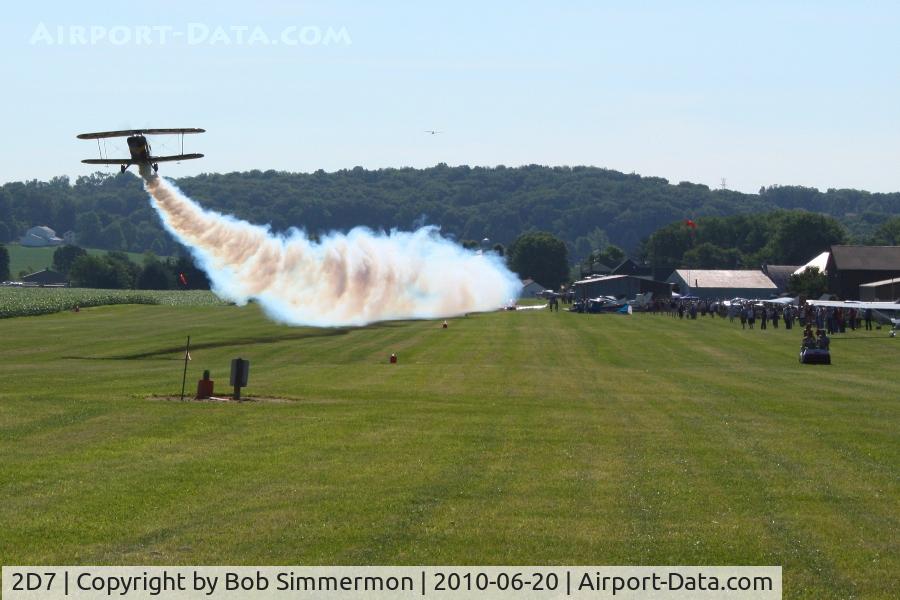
508, 438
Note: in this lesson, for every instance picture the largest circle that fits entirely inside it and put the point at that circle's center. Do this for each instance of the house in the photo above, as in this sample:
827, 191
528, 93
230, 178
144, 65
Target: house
627, 286
44, 278
780, 275
852, 266
715, 283
531, 289
39, 236
887, 290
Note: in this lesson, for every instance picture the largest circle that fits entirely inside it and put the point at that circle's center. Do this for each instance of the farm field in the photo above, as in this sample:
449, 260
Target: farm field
508, 438
24, 258
33, 301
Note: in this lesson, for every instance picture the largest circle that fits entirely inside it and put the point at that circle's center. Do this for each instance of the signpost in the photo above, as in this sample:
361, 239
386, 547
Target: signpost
187, 357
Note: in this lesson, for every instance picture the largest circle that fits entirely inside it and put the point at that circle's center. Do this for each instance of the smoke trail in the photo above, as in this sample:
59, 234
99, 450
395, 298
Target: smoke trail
345, 279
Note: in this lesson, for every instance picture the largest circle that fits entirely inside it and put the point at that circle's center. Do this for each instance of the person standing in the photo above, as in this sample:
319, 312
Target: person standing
868, 319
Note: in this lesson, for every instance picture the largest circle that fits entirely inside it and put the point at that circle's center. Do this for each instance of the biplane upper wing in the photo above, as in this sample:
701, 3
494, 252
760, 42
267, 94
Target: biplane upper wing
127, 132
176, 157
107, 161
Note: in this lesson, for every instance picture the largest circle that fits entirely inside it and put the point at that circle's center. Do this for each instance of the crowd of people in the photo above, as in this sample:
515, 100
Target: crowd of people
761, 314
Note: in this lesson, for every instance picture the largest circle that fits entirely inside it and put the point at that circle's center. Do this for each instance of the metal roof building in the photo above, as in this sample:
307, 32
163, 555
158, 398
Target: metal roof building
719, 283
886, 290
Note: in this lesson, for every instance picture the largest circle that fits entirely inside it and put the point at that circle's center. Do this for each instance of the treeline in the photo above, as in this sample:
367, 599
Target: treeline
748, 241
587, 207
114, 270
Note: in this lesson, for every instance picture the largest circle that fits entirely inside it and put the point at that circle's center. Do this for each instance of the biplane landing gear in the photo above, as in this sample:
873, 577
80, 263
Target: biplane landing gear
156, 167
122, 168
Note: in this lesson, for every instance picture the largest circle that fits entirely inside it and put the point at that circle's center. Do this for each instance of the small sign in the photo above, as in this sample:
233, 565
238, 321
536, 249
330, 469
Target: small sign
240, 372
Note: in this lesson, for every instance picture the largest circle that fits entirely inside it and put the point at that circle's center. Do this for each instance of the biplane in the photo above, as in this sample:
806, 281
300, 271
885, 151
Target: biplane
139, 147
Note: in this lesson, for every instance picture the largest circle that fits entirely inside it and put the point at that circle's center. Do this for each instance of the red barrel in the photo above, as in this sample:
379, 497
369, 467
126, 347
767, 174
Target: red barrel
204, 389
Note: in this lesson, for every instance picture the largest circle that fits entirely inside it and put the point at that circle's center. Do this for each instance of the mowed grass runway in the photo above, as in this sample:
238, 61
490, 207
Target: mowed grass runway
508, 438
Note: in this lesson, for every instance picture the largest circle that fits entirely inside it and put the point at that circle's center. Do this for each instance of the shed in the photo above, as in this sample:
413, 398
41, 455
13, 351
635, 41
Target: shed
45, 277
886, 290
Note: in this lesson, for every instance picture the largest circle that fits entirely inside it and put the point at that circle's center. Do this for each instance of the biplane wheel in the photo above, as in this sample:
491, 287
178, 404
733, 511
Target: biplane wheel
156, 167
122, 168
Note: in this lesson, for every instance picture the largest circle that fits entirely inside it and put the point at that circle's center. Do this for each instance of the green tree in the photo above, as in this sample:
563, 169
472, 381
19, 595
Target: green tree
112, 237
88, 228
810, 283
709, 256
155, 276
64, 256
888, 233
611, 255
4, 233
540, 256
113, 271
4, 263
800, 235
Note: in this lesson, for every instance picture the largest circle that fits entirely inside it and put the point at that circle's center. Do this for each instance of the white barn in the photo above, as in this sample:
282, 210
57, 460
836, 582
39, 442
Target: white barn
40, 236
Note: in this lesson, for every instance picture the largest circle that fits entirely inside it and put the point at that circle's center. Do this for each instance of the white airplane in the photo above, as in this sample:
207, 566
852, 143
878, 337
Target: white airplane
878, 309
641, 300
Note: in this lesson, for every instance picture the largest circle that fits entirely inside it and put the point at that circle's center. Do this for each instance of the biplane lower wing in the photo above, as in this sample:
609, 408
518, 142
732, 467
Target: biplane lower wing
156, 159
107, 161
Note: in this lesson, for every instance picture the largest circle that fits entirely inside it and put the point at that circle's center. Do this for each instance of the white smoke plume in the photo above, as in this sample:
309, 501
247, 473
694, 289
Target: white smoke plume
345, 279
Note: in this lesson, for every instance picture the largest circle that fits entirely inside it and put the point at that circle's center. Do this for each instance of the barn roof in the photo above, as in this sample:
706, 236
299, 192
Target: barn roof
866, 258
720, 278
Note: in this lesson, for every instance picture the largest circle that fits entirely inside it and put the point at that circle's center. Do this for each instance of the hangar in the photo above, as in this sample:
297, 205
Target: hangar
620, 286
710, 284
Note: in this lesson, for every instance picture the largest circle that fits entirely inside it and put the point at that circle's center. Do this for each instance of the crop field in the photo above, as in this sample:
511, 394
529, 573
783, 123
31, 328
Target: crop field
507, 438
32, 301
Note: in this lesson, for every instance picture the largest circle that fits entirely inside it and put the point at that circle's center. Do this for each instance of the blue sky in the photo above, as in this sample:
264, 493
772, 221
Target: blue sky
759, 93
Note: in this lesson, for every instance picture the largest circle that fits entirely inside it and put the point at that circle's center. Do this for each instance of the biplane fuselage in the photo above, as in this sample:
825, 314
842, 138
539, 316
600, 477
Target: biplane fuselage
139, 149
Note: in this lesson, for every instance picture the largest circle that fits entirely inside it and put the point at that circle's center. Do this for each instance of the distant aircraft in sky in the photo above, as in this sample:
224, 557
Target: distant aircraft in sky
139, 147
433, 131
